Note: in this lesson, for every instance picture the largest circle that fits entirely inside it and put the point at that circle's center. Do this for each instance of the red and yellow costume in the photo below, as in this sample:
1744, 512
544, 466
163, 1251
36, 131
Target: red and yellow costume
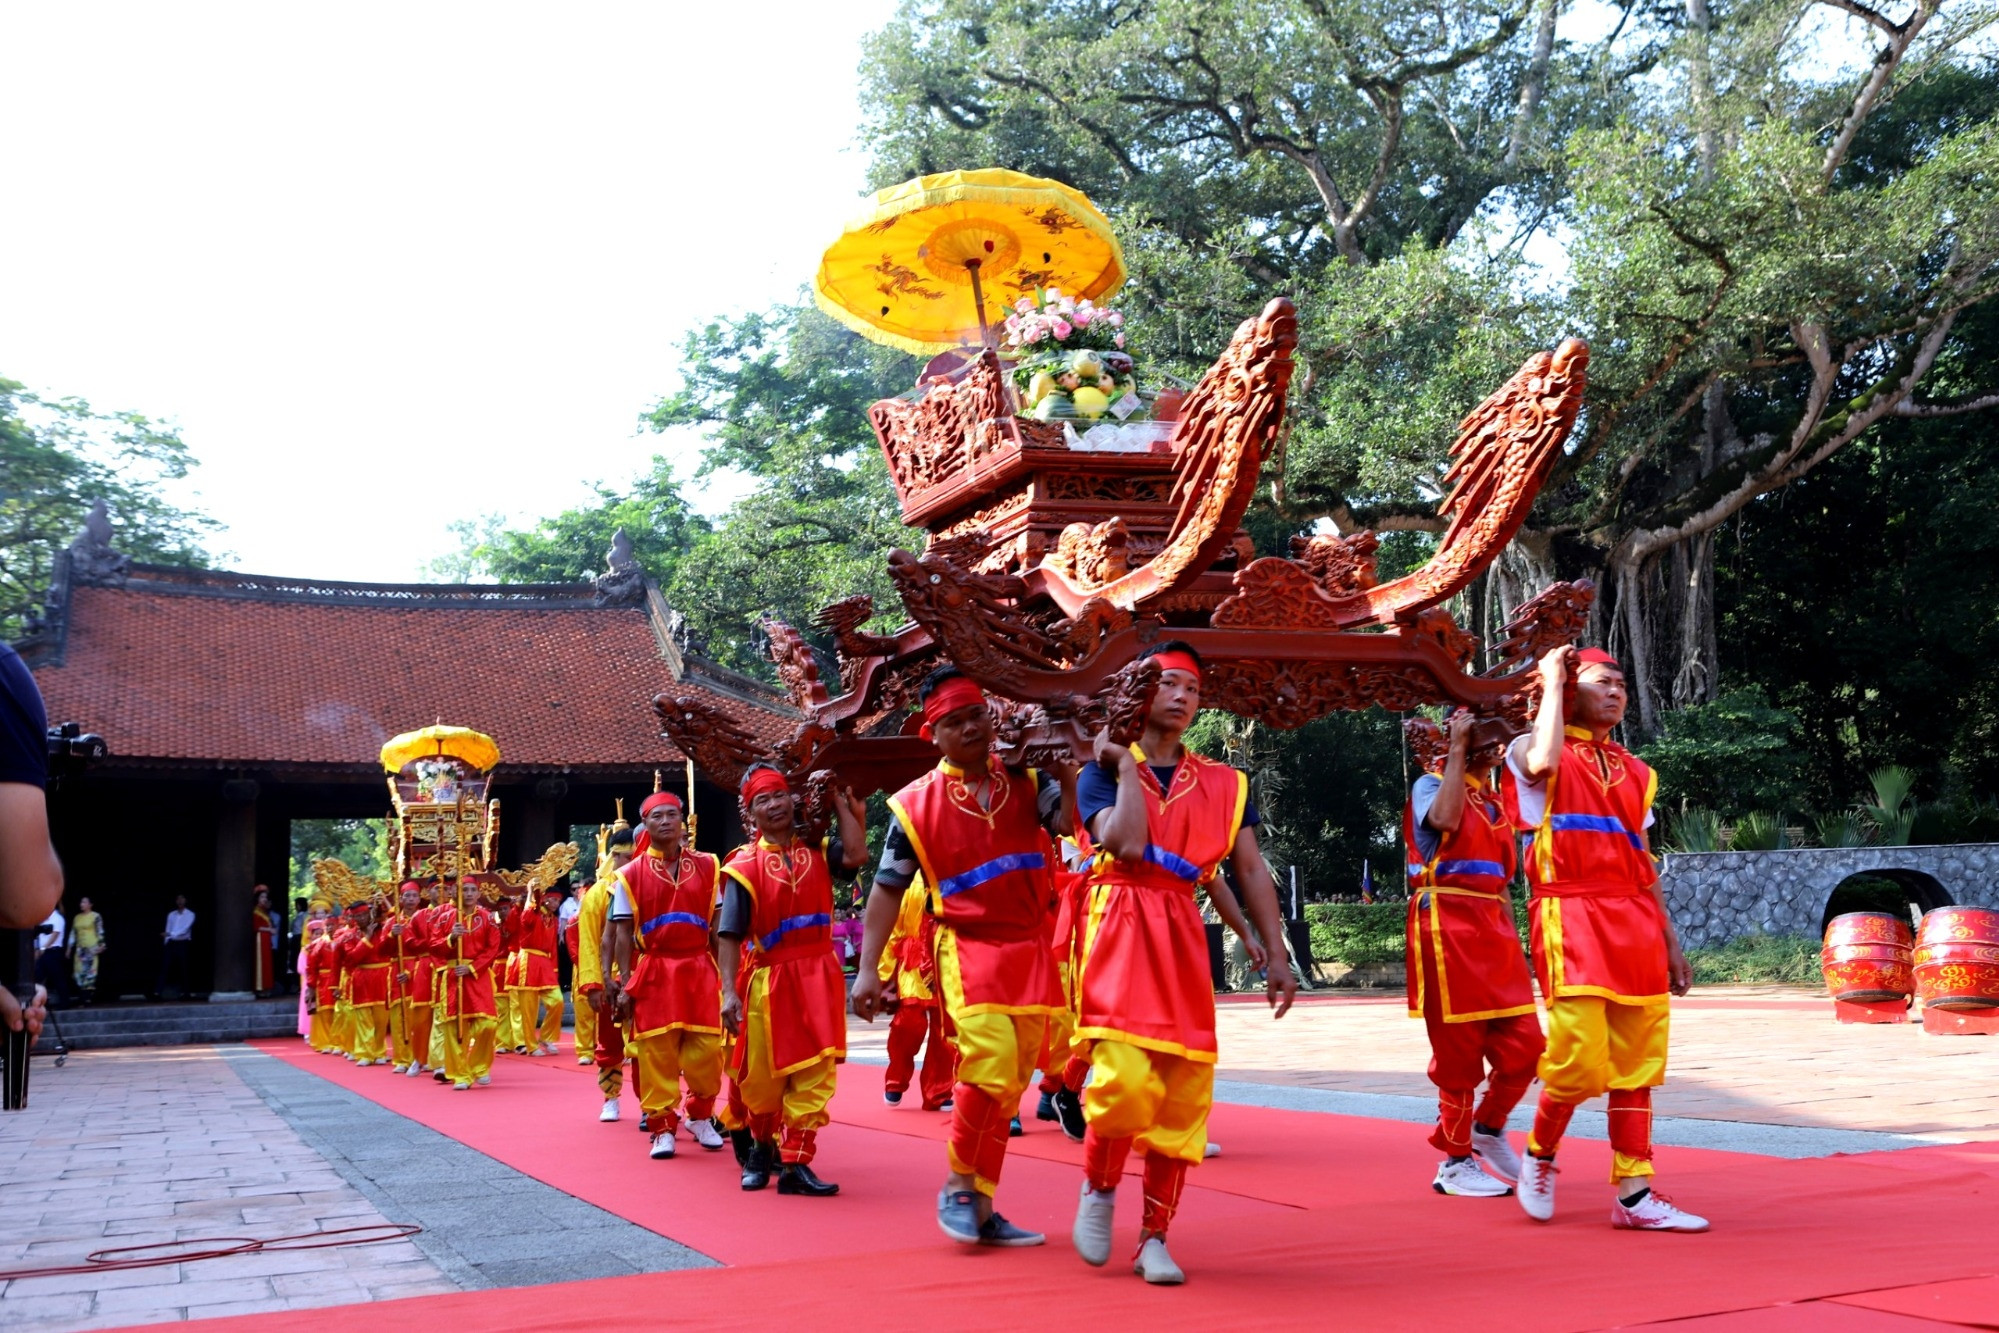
991, 888
1599, 944
675, 988
1467, 975
467, 1014
418, 993
507, 1033
368, 958
909, 958
1065, 1057
265, 927
1146, 1001
794, 994
586, 1017
592, 967
322, 973
536, 984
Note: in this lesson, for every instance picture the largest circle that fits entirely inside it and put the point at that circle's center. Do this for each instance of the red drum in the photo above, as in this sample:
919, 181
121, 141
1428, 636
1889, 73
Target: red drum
1866, 957
1957, 959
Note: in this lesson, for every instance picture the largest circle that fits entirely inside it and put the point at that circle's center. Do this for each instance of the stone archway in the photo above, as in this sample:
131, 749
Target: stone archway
1915, 889
1717, 896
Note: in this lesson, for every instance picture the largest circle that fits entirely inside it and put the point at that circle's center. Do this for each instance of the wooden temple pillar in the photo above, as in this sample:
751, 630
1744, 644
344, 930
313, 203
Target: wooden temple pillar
235, 888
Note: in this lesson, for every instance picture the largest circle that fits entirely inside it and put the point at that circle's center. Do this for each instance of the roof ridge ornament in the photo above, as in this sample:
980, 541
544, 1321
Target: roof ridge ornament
623, 582
93, 561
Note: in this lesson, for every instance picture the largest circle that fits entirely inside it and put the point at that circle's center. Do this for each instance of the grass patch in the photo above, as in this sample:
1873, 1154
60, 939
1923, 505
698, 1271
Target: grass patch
1769, 960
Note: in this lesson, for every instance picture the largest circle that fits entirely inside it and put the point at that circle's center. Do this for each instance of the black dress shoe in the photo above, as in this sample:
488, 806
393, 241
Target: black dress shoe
797, 1178
1045, 1108
757, 1166
740, 1140
1014, 1129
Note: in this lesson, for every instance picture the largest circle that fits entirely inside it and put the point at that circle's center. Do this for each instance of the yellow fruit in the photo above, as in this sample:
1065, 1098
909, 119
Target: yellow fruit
1091, 401
1038, 388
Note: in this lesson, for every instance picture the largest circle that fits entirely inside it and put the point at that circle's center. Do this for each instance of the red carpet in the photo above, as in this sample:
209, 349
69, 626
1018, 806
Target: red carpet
1307, 1219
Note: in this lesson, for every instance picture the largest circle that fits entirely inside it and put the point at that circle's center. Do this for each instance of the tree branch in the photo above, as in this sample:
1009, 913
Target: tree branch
1909, 407
1871, 92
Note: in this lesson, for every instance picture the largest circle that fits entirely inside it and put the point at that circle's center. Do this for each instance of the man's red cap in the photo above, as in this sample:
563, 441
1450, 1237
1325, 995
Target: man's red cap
760, 781
656, 800
1595, 657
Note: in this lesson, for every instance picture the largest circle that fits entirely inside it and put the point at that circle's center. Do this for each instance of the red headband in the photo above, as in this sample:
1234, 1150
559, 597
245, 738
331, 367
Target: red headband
656, 800
955, 693
761, 782
1175, 660
1594, 657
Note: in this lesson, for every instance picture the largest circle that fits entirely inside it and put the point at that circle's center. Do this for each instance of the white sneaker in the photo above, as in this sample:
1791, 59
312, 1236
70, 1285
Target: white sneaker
1463, 1177
1156, 1266
461, 1087
1212, 1150
662, 1146
413, 1070
1537, 1188
1092, 1233
548, 1048
1497, 1154
1654, 1212
483, 1080
585, 1060
610, 1111
704, 1133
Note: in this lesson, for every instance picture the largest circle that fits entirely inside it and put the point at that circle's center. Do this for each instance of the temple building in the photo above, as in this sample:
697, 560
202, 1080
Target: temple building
232, 704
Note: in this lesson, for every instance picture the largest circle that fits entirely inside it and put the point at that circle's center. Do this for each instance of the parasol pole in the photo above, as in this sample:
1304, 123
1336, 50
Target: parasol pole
690, 803
458, 918
979, 303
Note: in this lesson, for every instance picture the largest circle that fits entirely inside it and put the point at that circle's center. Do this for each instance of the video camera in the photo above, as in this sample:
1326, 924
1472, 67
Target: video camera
72, 749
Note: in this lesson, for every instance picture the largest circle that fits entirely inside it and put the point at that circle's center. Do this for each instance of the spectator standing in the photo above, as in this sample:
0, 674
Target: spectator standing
86, 942
51, 942
264, 944
179, 936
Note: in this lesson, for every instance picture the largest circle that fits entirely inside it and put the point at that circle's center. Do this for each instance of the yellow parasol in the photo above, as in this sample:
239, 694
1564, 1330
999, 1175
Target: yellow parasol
473, 747
916, 270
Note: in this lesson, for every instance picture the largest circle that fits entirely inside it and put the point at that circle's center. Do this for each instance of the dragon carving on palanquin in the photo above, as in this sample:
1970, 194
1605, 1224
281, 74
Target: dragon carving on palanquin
1056, 644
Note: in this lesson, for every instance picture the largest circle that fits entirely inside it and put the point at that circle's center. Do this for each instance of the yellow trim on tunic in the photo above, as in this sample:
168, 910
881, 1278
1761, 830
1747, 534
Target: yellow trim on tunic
1437, 949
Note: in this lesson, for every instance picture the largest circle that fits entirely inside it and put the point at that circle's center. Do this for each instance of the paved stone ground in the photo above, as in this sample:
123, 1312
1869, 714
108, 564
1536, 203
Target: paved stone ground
136, 1146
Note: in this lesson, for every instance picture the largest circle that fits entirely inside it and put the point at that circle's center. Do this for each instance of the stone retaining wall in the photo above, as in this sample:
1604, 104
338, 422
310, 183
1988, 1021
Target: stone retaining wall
1717, 896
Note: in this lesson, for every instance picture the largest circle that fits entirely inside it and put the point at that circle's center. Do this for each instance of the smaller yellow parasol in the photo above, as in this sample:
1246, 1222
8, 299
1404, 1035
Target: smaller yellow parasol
474, 748
917, 269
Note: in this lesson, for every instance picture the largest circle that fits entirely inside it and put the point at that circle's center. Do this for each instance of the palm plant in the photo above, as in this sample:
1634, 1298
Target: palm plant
1892, 814
1759, 831
1844, 828
1695, 829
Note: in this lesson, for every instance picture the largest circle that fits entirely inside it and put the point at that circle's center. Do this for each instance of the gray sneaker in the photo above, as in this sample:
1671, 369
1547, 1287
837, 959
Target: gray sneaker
1092, 1232
1497, 1154
1155, 1265
958, 1215
996, 1230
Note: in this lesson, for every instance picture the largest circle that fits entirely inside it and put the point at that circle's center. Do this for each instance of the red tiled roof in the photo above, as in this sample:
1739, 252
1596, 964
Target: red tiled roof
169, 675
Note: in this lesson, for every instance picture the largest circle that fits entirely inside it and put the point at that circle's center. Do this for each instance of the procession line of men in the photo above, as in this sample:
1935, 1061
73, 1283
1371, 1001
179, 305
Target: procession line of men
718, 978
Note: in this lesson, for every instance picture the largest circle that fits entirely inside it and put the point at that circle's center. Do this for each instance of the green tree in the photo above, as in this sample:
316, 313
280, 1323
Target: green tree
57, 458
1732, 756
356, 842
571, 546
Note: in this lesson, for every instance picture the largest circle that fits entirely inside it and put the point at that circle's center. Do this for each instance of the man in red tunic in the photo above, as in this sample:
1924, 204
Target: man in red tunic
415, 977
1065, 1058
367, 958
537, 992
1605, 948
465, 939
1163, 819
1467, 975
981, 835
660, 911
783, 993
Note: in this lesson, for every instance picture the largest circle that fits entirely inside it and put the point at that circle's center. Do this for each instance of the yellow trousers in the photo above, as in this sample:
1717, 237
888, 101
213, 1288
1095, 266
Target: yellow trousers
996, 1055
435, 1053
586, 1027
399, 1030
664, 1059
506, 1027
542, 1025
420, 1016
1597, 1046
370, 1032
469, 1056
319, 1030
800, 1098
340, 1028
1159, 1100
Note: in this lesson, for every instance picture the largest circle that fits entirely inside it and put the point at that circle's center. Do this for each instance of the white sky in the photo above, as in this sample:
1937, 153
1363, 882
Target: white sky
389, 265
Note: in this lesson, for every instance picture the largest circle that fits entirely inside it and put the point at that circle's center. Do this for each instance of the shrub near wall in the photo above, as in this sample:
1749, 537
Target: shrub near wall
1357, 934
